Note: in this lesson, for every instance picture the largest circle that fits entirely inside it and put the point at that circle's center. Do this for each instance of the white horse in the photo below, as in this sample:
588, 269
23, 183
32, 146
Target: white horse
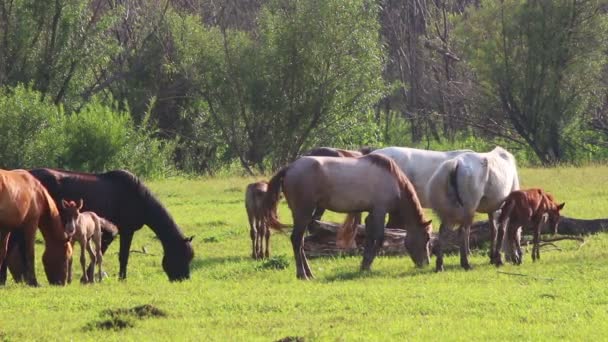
468, 183
418, 165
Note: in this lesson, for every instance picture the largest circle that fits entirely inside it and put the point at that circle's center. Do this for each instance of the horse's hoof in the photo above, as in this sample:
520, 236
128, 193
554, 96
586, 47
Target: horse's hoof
466, 267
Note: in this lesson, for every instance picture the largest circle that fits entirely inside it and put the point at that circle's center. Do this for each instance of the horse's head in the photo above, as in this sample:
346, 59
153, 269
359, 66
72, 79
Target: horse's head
176, 261
55, 259
553, 216
417, 243
70, 212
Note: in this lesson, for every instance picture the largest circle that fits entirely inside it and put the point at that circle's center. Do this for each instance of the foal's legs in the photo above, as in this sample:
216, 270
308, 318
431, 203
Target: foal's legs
536, 246
267, 238
252, 234
374, 237
83, 259
95, 256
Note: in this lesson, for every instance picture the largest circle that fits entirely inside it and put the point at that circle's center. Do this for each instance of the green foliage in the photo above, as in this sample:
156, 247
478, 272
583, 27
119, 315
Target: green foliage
39, 134
24, 119
314, 68
541, 63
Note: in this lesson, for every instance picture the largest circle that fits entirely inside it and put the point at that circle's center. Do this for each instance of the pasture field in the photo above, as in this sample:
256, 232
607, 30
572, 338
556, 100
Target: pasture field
233, 298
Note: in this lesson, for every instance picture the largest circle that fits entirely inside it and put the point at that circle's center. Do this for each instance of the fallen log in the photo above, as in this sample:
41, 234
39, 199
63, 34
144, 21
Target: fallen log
322, 240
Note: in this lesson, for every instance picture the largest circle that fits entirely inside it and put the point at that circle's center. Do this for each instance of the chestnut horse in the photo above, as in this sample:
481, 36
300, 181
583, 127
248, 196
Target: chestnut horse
86, 228
259, 230
123, 199
25, 205
371, 183
527, 209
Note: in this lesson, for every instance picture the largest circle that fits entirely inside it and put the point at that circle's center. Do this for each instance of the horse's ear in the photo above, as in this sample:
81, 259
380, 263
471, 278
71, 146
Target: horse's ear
80, 204
561, 206
64, 203
189, 239
428, 222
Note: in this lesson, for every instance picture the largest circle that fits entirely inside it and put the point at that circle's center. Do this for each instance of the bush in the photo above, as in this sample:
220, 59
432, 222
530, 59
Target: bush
37, 133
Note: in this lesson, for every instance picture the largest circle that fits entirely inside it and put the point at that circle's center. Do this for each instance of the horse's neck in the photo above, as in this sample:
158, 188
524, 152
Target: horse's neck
162, 224
410, 210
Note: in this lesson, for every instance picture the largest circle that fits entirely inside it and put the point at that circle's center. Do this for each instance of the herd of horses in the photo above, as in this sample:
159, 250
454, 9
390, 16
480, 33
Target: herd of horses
399, 182
393, 183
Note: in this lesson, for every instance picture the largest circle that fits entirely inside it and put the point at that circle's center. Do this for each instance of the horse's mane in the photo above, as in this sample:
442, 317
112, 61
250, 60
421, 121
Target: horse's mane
407, 189
157, 210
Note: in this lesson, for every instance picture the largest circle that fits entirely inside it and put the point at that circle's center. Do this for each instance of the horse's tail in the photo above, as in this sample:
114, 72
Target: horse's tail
347, 232
271, 200
107, 226
453, 185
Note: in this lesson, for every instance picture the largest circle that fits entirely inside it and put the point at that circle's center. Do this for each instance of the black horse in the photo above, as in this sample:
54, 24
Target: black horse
123, 199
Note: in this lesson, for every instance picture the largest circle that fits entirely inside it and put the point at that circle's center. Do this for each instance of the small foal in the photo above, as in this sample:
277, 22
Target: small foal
527, 210
84, 227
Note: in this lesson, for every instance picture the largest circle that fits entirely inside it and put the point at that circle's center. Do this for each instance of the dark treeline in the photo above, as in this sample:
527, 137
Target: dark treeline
203, 85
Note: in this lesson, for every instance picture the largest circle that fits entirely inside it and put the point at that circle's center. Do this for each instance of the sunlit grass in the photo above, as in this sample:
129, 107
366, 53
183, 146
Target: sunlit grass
231, 298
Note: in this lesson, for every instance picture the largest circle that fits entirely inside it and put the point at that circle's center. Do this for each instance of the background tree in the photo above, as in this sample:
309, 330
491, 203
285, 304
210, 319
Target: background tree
539, 62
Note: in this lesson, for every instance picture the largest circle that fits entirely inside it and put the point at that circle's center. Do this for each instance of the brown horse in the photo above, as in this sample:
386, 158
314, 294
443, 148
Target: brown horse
338, 153
372, 183
86, 228
526, 209
25, 205
259, 230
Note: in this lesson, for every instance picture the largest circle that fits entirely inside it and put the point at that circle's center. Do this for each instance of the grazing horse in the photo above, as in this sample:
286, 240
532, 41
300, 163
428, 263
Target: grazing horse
468, 183
123, 199
259, 229
86, 228
527, 209
371, 183
25, 205
338, 153
418, 165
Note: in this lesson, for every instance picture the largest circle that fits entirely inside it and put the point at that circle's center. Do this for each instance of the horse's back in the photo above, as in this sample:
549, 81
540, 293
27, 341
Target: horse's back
419, 165
339, 184
20, 197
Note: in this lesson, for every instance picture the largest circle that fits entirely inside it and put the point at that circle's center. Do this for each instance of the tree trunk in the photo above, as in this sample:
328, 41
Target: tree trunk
322, 241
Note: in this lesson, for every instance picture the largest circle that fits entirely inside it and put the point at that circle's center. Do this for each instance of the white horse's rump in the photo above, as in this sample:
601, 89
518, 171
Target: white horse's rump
418, 165
471, 182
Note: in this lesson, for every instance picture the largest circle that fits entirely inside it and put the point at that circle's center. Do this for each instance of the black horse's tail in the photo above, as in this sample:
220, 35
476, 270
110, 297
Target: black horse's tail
271, 200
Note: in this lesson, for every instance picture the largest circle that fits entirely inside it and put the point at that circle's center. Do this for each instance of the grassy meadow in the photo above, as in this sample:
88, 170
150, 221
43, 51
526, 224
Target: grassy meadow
233, 298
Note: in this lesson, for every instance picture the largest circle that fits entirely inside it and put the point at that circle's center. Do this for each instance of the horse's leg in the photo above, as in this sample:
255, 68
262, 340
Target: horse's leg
106, 240
318, 214
83, 260
500, 236
252, 235
464, 246
30, 238
536, 246
4, 250
494, 250
267, 237
300, 224
126, 237
70, 265
16, 256
438, 248
95, 259
517, 245
374, 236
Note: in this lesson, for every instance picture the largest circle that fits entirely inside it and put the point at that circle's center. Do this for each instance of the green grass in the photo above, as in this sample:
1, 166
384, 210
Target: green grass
233, 298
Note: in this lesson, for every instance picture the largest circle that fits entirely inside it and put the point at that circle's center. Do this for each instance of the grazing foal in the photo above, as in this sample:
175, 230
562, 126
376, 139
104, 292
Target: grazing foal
259, 230
84, 227
527, 209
